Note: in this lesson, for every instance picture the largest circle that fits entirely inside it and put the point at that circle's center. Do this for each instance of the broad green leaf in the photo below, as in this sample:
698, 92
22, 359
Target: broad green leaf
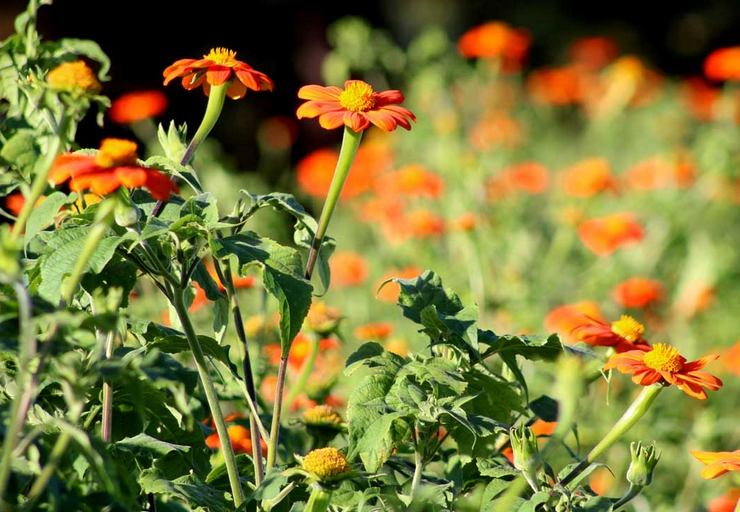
204, 279
373, 355
42, 216
545, 408
150, 445
377, 442
529, 347
196, 495
21, 150
423, 291
87, 48
174, 344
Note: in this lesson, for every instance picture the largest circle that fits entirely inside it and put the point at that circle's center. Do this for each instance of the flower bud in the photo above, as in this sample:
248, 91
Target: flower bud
524, 447
644, 460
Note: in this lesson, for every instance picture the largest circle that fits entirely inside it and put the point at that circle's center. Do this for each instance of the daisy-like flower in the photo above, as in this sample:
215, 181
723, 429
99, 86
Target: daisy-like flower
216, 68
356, 106
326, 464
664, 364
137, 106
624, 334
75, 77
113, 167
717, 463
723, 64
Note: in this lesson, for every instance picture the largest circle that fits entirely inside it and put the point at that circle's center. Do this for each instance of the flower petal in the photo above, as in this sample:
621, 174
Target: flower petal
218, 75
319, 93
331, 120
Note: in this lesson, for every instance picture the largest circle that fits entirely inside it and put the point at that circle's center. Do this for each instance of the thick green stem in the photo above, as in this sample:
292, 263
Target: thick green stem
350, 143
276, 410
319, 500
27, 351
107, 421
40, 181
211, 396
632, 415
418, 468
299, 384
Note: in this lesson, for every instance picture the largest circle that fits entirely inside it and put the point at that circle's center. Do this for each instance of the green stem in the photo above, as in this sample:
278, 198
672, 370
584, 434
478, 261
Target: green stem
633, 491
107, 421
276, 410
211, 396
416, 479
216, 99
319, 500
47, 472
98, 231
308, 366
350, 142
40, 181
27, 344
634, 412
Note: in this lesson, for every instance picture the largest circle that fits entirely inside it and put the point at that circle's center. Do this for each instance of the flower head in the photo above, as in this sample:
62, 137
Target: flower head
663, 363
326, 464
113, 167
717, 463
75, 76
357, 106
638, 292
348, 269
137, 106
566, 318
322, 416
377, 331
723, 64
218, 67
624, 334
322, 319
604, 235
588, 177
593, 53
496, 39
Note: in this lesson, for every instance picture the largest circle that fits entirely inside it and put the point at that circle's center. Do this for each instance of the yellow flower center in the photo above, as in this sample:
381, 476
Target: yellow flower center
222, 56
357, 97
115, 152
73, 76
628, 328
322, 415
326, 463
663, 358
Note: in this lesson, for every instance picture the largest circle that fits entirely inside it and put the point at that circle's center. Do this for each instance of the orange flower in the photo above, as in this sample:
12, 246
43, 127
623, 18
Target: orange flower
496, 39
114, 166
348, 269
593, 52
240, 437
662, 172
638, 292
731, 358
564, 319
357, 106
137, 106
529, 177
694, 297
391, 290
218, 67
700, 98
239, 281
624, 334
465, 222
374, 331
322, 319
664, 364
422, 223
725, 503
315, 172
556, 86
604, 235
717, 463
73, 77
496, 129
412, 180
398, 346
723, 64
600, 481
588, 178
15, 201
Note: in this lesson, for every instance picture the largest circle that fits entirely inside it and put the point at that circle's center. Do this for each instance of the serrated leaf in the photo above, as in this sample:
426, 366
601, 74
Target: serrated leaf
43, 215
21, 149
377, 442
530, 347
188, 490
424, 291
174, 344
151, 445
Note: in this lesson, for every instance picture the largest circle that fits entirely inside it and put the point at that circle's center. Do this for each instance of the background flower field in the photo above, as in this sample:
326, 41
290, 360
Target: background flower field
588, 188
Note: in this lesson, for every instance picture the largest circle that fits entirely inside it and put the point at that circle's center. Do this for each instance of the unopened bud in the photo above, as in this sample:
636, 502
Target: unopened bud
524, 447
644, 460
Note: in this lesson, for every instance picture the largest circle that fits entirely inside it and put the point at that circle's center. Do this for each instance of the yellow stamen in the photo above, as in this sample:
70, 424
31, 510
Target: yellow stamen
115, 152
322, 415
326, 463
357, 97
663, 358
222, 56
74, 77
628, 328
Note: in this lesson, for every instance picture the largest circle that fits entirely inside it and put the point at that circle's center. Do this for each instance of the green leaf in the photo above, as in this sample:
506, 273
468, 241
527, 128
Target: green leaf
172, 142
377, 442
545, 408
21, 150
204, 279
174, 344
424, 291
529, 347
188, 490
373, 355
144, 443
493, 469
42, 216
282, 276
89, 49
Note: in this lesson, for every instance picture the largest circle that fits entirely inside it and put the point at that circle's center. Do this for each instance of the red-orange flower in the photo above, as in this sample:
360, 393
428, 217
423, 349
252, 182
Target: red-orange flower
114, 166
374, 331
624, 334
496, 129
593, 52
557, 86
604, 235
723, 64
423, 223
15, 201
137, 106
588, 178
413, 180
240, 437
663, 363
348, 269
465, 222
731, 358
700, 98
638, 292
218, 67
496, 39
357, 106
316, 170
529, 177
717, 463
564, 319
725, 503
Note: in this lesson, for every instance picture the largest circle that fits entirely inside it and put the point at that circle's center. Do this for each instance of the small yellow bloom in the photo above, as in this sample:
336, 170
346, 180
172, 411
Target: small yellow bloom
73, 76
321, 416
326, 463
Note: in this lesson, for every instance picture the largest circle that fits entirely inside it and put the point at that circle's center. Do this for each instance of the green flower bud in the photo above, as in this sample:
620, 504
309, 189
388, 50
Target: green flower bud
524, 446
644, 460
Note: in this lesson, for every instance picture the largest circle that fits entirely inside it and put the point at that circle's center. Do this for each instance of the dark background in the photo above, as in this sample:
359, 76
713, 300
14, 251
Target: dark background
285, 39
